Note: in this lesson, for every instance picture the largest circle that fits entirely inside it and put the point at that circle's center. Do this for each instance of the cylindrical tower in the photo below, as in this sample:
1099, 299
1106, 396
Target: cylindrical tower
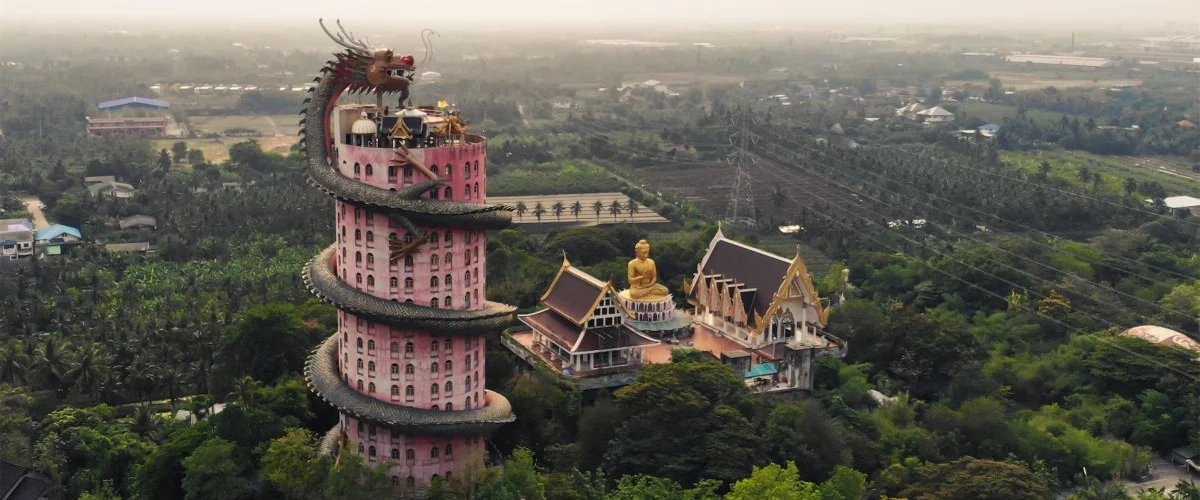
407, 273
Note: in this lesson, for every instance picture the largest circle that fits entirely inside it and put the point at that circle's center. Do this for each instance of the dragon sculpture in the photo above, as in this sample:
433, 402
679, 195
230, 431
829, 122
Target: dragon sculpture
360, 69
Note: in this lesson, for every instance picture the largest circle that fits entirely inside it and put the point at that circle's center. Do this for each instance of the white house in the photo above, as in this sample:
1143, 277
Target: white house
936, 114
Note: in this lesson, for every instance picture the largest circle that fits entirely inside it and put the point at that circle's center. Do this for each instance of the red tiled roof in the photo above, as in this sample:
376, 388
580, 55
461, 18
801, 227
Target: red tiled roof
553, 325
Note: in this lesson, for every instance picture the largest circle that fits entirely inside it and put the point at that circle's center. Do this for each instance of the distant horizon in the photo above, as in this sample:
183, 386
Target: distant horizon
670, 15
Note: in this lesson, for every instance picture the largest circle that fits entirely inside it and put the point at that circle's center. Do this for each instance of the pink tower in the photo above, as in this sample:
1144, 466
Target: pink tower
407, 274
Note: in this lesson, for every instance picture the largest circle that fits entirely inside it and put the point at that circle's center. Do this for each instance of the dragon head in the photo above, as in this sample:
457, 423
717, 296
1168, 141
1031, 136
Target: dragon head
367, 69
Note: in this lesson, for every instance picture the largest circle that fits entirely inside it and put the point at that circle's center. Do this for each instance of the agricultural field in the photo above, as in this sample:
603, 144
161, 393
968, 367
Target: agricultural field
996, 113
587, 217
267, 125
1066, 165
1062, 79
216, 150
551, 178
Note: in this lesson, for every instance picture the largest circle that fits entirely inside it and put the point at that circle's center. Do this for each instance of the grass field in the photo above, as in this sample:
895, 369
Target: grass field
996, 113
268, 125
1065, 164
1019, 80
217, 150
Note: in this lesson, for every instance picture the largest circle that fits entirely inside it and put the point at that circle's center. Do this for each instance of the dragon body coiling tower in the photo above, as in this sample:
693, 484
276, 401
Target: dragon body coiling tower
407, 273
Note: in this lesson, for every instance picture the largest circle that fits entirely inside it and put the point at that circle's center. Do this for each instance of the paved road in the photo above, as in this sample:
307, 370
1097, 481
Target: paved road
34, 206
1166, 476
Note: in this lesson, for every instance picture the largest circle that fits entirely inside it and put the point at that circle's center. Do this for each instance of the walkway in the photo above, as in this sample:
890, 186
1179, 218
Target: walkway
34, 206
1166, 476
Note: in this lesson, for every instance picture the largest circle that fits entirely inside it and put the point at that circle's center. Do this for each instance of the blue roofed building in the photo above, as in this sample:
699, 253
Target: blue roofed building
134, 102
51, 240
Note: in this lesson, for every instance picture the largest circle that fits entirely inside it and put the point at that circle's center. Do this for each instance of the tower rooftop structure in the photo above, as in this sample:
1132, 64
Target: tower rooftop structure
407, 273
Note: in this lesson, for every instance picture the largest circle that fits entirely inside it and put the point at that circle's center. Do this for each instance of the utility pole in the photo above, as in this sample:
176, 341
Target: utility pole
741, 210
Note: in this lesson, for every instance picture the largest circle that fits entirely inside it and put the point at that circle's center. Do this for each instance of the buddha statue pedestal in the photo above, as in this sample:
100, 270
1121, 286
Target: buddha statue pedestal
648, 301
649, 309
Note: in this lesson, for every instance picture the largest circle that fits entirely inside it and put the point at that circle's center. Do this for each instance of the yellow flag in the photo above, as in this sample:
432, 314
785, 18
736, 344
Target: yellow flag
442, 104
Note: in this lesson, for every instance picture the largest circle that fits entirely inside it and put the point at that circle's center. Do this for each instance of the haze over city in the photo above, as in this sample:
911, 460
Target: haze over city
668, 14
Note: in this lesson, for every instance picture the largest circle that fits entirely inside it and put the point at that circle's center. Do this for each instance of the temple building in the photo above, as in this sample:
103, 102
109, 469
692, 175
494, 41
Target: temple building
407, 272
765, 311
583, 333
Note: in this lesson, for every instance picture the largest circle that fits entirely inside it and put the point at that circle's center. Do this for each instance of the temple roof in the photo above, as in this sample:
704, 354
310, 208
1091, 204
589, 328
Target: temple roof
575, 294
760, 273
578, 339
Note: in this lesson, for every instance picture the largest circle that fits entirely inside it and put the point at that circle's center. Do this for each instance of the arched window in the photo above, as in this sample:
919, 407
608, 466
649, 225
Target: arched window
411, 482
360, 448
433, 240
434, 452
475, 295
360, 386
358, 278
358, 343
476, 189
449, 366
449, 171
396, 390
396, 456
433, 367
395, 368
467, 299
370, 366
394, 348
434, 169
392, 171
392, 236
449, 193
449, 345
433, 302
393, 282
449, 239
371, 388
409, 391
358, 257
370, 345
449, 259
467, 403
449, 406
408, 171
467, 383
434, 346
449, 385
361, 427
466, 365
357, 234
343, 234
449, 453
410, 454
467, 277
476, 397
370, 170
360, 364
433, 389
433, 282
371, 451
467, 170
408, 263
433, 261
408, 284
409, 348
370, 236
357, 169
476, 168
448, 302
467, 257
370, 280
410, 369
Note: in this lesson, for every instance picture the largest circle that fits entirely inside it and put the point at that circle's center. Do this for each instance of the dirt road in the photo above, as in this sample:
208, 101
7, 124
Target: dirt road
274, 128
34, 206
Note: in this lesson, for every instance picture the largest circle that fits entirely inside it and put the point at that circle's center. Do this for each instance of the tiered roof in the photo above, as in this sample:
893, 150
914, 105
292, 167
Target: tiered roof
570, 302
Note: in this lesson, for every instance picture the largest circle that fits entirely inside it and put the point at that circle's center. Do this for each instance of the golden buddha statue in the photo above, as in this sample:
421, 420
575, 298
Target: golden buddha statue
643, 276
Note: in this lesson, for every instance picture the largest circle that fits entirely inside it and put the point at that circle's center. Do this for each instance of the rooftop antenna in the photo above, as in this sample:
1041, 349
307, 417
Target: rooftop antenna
741, 209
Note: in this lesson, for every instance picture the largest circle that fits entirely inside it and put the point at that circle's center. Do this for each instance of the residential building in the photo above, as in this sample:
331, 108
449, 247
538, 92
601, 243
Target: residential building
767, 311
97, 179
23, 483
138, 222
51, 240
1183, 205
936, 114
138, 247
16, 239
584, 333
113, 189
134, 102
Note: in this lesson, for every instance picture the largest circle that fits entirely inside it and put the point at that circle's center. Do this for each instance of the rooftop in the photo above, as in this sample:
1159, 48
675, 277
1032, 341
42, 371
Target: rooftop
1181, 202
139, 102
56, 231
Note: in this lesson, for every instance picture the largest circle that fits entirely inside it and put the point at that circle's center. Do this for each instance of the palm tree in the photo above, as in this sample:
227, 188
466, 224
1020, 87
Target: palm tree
143, 421
1097, 181
85, 377
14, 366
632, 207
615, 208
1130, 186
1084, 173
598, 207
244, 391
521, 209
1044, 169
539, 210
576, 209
558, 209
50, 367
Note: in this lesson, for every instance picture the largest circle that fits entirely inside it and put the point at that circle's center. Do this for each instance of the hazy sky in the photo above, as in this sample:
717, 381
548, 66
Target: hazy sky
111, 13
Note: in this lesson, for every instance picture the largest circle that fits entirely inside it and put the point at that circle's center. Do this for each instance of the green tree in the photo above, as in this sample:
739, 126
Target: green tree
576, 209
632, 207
774, 482
293, 466
180, 150
558, 209
195, 157
214, 471
164, 160
521, 209
1130, 185
267, 343
615, 208
598, 207
644, 487
539, 210
845, 484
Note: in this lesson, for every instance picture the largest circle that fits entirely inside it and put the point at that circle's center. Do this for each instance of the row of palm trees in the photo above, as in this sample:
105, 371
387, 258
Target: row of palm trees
615, 208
